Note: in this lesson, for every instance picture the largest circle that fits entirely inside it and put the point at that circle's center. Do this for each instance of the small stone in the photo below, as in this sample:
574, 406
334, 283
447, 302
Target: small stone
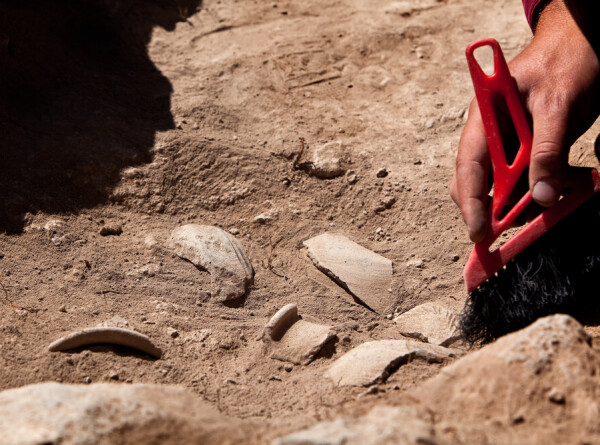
234, 231
114, 376
328, 161
63, 308
111, 229
556, 396
455, 257
87, 380
173, 333
288, 368
381, 173
351, 177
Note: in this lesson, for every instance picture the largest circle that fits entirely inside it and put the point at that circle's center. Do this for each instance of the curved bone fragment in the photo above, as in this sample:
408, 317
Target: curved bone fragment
111, 335
280, 322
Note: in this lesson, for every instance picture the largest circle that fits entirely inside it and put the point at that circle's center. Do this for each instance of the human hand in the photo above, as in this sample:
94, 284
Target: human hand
558, 77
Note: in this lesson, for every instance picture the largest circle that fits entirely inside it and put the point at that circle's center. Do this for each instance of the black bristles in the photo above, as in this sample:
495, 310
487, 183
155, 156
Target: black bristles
559, 273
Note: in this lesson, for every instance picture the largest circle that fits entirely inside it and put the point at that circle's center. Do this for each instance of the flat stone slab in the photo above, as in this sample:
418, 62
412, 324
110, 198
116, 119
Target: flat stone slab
430, 323
373, 361
289, 338
362, 272
220, 254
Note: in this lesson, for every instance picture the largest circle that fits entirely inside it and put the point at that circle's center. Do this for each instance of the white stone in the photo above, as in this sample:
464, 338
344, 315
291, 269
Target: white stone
373, 361
365, 274
217, 252
429, 322
327, 161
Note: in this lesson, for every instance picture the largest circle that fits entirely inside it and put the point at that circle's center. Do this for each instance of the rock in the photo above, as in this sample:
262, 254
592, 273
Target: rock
111, 229
218, 252
327, 161
113, 413
384, 204
381, 173
289, 338
351, 177
429, 322
363, 273
382, 425
373, 361
267, 216
541, 381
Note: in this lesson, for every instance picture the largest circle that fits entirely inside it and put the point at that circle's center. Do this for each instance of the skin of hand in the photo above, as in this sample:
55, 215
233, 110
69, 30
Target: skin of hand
558, 78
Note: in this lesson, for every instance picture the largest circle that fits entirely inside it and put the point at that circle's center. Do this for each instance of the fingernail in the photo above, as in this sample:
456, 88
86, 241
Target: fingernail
544, 192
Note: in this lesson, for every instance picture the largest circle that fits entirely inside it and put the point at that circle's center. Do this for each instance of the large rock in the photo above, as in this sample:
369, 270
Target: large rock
53, 413
288, 337
537, 385
365, 274
383, 425
373, 361
429, 322
218, 252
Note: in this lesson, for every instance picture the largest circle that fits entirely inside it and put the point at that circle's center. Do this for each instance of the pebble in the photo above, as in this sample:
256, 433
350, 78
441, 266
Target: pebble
111, 229
328, 161
381, 173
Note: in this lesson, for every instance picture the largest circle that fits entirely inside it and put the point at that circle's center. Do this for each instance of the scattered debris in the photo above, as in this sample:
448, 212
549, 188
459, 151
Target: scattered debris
363, 273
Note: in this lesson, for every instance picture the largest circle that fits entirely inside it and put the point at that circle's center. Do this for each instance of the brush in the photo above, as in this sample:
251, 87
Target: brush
552, 263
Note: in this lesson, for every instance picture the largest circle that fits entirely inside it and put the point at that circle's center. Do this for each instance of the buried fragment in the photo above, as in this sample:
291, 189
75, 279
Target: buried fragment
372, 362
106, 335
430, 323
362, 272
220, 254
289, 338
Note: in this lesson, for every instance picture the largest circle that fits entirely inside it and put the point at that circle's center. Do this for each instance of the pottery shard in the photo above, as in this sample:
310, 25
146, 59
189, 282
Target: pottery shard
372, 362
113, 413
363, 273
383, 424
327, 161
218, 252
430, 323
288, 337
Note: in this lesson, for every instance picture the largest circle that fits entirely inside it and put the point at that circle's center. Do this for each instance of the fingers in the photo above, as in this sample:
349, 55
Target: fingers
469, 185
548, 153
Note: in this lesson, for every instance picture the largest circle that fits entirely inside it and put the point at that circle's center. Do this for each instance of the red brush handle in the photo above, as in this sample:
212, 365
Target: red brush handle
582, 183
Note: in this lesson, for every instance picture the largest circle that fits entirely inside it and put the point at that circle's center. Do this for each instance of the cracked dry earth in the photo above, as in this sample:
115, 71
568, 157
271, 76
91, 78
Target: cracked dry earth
122, 121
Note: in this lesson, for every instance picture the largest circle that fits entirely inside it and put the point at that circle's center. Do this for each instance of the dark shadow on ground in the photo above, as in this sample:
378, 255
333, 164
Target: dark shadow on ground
79, 99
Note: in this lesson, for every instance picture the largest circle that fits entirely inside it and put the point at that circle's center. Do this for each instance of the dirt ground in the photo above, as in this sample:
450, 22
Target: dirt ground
150, 115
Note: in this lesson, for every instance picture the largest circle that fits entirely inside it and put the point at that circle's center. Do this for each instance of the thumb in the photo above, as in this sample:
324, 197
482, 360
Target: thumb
549, 157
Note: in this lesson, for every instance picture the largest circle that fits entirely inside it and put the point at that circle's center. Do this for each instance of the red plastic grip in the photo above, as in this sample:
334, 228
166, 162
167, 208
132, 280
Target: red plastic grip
581, 183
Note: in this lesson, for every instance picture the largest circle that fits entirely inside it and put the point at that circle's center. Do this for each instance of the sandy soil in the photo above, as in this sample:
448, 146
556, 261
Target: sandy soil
149, 115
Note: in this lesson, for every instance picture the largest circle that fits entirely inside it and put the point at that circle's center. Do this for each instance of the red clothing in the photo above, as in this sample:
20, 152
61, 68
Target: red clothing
530, 6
